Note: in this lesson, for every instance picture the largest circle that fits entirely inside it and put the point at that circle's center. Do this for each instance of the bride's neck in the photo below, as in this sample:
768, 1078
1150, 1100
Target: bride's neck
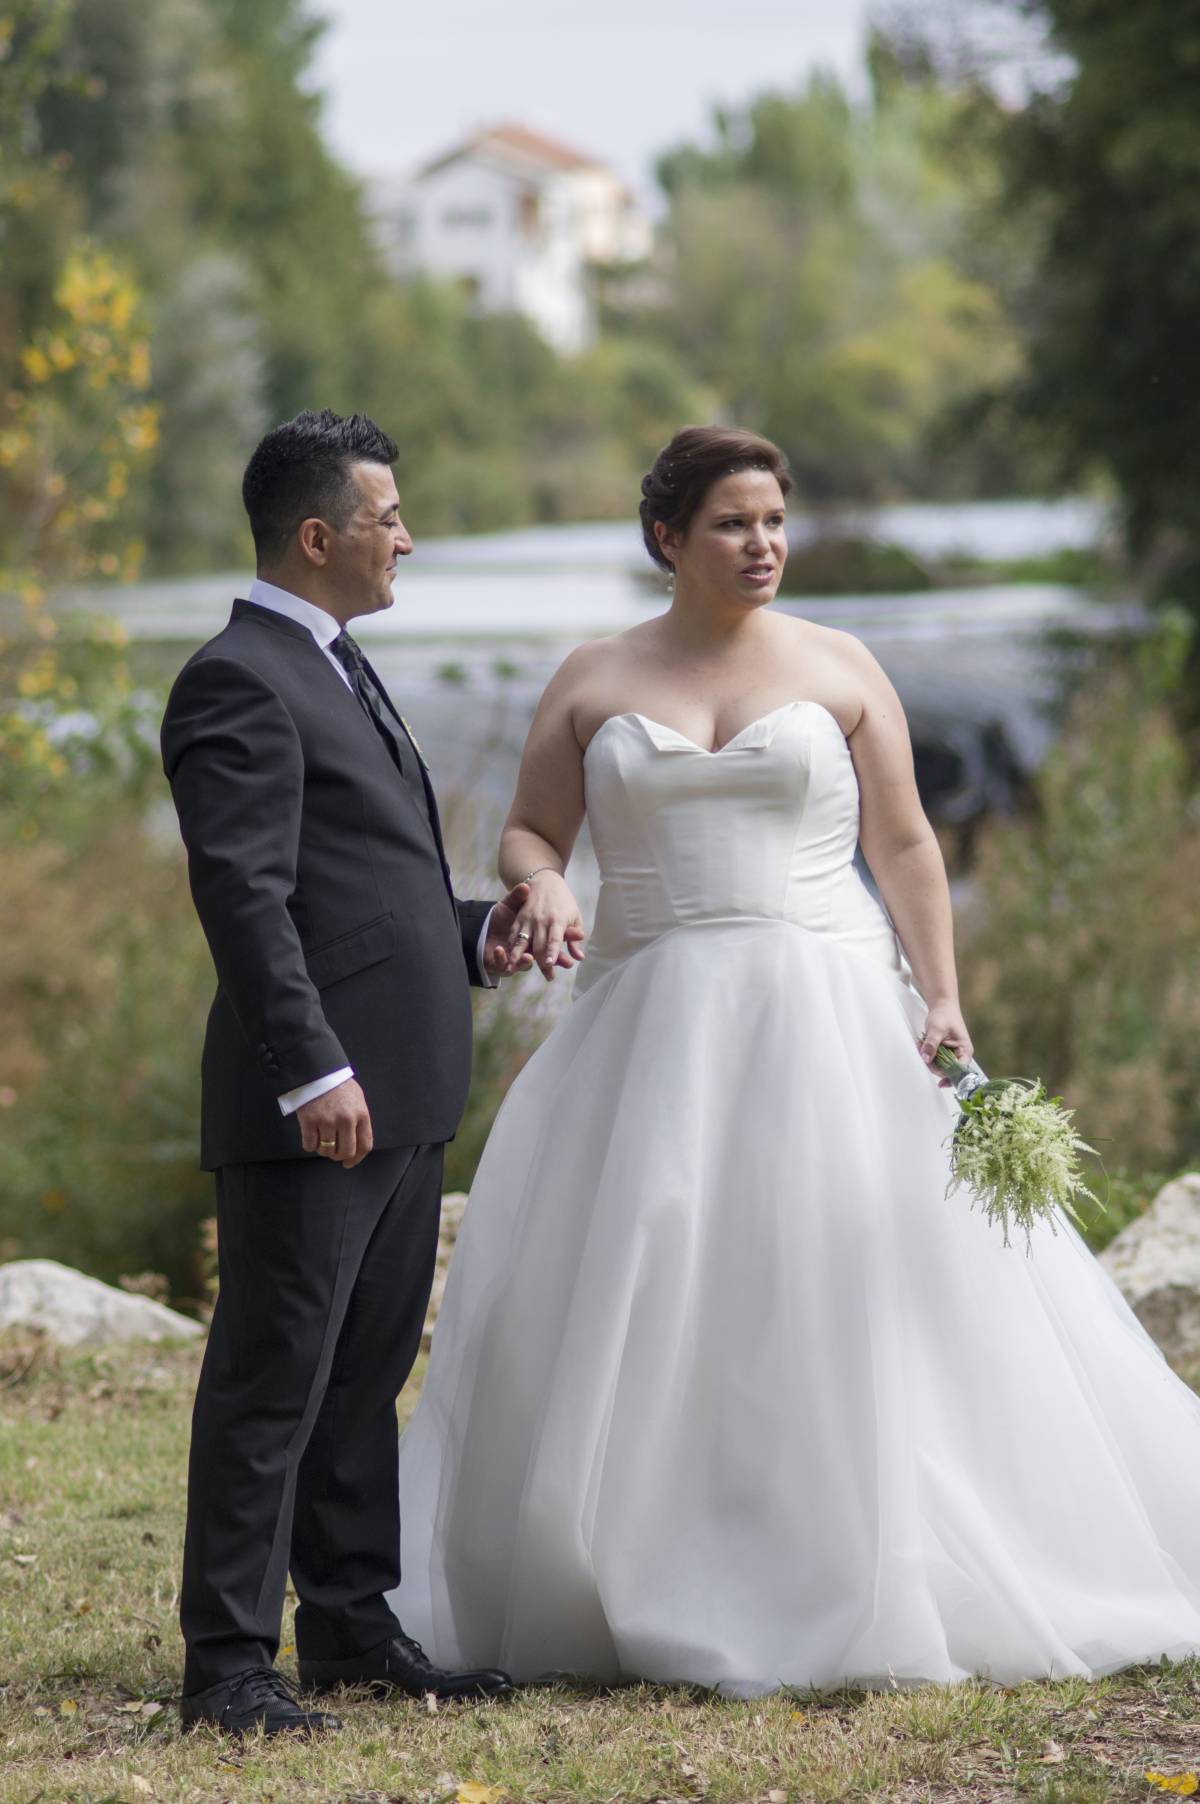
696, 624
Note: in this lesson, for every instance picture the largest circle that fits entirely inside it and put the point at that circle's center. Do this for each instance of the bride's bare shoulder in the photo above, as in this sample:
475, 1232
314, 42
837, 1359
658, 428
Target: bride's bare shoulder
833, 643
585, 688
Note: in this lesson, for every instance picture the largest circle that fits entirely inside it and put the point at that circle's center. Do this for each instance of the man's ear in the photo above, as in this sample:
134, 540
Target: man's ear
313, 538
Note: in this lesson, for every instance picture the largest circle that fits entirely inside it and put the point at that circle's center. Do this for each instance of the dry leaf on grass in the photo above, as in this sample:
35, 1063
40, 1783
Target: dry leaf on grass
68, 1707
1053, 1755
1181, 1784
471, 1793
142, 1786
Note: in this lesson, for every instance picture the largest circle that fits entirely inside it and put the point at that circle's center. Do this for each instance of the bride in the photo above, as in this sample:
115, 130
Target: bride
724, 1388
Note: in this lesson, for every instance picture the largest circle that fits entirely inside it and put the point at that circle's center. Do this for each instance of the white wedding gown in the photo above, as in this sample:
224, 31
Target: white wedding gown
725, 1389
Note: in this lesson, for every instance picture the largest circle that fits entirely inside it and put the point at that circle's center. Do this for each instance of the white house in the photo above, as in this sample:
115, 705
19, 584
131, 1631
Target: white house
517, 219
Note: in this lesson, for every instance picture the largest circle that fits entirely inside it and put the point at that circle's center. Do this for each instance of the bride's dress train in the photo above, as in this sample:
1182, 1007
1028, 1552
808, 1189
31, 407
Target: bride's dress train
724, 1388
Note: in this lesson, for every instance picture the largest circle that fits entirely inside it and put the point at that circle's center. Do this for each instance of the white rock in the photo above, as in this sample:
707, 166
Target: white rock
78, 1311
1156, 1262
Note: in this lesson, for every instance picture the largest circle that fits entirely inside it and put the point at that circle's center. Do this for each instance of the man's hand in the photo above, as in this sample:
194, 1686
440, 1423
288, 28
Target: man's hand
338, 1125
547, 925
498, 955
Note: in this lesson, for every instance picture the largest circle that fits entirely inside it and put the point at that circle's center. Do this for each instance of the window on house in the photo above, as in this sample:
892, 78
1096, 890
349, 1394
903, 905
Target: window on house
529, 211
467, 216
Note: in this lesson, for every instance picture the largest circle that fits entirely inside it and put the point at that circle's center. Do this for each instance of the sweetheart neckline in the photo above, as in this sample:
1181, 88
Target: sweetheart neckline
705, 751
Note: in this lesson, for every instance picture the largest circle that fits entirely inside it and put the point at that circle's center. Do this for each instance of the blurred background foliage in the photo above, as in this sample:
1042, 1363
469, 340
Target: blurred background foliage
920, 289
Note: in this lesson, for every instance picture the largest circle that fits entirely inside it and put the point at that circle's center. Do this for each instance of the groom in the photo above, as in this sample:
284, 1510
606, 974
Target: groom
335, 1067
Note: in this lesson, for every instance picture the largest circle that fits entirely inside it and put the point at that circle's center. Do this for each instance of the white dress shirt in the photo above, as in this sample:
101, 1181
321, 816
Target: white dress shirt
325, 629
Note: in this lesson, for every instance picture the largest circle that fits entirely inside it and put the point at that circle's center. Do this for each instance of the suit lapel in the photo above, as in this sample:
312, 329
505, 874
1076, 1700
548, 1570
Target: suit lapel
292, 629
430, 799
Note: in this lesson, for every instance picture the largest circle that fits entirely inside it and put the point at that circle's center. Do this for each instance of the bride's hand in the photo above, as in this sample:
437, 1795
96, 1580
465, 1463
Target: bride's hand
944, 1026
551, 919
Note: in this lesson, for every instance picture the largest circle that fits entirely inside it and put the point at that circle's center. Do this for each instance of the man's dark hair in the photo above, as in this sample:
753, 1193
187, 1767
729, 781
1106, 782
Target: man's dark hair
301, 471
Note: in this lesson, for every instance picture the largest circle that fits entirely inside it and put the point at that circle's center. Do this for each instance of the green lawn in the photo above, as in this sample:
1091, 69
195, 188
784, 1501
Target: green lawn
92, 1455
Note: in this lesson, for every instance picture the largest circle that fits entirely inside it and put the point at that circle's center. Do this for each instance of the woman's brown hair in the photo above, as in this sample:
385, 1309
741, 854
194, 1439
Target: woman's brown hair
687, 468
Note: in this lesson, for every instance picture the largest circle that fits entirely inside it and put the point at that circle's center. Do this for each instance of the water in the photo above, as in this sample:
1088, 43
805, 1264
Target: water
479, 625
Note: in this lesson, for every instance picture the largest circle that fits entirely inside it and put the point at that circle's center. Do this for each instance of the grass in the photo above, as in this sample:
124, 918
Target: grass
92, 1453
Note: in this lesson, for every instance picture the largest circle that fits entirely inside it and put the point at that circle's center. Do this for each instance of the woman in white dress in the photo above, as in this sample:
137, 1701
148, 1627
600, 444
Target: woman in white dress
725, 1389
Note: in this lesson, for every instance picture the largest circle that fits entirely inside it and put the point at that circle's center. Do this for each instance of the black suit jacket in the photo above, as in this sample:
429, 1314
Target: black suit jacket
324, 894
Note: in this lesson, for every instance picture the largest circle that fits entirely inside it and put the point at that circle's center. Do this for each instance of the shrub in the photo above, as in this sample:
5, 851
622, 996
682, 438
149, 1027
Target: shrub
1080, 953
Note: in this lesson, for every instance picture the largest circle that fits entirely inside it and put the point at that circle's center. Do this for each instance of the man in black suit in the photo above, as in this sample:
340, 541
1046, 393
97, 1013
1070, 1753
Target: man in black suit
335, 1066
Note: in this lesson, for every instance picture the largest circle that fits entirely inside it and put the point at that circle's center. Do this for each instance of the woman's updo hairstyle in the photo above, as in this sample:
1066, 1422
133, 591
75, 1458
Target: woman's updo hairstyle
685, 470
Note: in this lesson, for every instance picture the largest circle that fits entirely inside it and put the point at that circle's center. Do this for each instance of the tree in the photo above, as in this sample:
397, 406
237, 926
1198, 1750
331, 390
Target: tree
1105, 168
822, 281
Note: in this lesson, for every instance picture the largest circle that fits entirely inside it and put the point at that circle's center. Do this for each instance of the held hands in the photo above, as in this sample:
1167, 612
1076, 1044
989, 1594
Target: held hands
337, 1125
545, 926
944, 1025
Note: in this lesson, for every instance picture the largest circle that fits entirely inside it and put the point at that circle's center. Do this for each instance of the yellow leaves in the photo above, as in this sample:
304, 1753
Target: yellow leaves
39, 677
36, 364
68, 1707
1183, 1785
139, 363
139, 427
469, 1792
63, 356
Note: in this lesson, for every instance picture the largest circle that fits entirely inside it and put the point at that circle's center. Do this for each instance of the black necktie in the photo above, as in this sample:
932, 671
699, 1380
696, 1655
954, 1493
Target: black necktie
349, 655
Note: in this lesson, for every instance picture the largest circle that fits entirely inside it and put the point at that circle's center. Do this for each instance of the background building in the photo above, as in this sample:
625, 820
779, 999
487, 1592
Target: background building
519, 220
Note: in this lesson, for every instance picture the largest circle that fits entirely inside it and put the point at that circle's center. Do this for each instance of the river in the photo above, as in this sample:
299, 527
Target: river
480, 623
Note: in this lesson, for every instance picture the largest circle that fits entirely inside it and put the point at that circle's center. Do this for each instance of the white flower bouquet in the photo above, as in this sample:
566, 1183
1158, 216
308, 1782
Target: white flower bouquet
1014, 1147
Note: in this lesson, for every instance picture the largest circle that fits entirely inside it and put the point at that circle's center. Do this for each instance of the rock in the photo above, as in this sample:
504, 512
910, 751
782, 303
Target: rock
452, 1214
77, 1311
1156, 1262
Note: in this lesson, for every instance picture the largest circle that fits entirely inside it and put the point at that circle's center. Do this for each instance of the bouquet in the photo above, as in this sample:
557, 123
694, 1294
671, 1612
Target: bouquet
1015, 1147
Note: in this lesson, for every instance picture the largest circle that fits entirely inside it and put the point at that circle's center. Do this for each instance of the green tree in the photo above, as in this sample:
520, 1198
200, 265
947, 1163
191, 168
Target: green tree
822, 281
1105, 171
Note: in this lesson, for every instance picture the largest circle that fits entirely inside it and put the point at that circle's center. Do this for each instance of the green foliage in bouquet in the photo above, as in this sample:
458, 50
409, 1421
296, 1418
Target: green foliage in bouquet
1015, 1148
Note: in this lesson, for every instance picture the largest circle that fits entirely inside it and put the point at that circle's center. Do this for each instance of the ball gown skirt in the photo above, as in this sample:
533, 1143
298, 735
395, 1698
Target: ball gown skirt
725, 1388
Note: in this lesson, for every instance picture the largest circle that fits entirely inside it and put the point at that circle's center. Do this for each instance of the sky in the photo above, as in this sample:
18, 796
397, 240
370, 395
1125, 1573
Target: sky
620, 79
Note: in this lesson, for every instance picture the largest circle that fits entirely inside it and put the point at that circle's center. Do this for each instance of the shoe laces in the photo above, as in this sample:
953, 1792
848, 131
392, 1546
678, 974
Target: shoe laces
262, 1685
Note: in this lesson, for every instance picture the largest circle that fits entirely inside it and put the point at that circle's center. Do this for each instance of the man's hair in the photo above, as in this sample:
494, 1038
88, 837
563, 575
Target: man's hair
301, 471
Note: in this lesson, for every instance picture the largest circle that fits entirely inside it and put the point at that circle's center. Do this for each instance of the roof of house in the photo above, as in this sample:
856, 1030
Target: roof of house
512, 143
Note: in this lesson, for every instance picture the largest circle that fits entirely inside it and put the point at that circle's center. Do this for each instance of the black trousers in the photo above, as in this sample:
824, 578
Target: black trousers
325, 1277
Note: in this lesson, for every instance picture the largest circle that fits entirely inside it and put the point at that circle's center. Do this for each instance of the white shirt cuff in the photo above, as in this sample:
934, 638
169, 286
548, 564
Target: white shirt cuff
291, 1100
490, 982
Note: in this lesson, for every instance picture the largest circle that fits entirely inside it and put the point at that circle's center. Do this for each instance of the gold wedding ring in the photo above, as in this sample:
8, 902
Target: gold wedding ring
522, 936
326, 1142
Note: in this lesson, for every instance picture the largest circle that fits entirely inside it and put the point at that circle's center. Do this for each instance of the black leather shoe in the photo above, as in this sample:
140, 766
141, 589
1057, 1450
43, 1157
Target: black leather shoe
401, 1665
259, 1698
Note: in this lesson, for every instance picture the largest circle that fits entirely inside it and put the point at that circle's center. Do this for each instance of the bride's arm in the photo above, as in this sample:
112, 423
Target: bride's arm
543, 824
902, 850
